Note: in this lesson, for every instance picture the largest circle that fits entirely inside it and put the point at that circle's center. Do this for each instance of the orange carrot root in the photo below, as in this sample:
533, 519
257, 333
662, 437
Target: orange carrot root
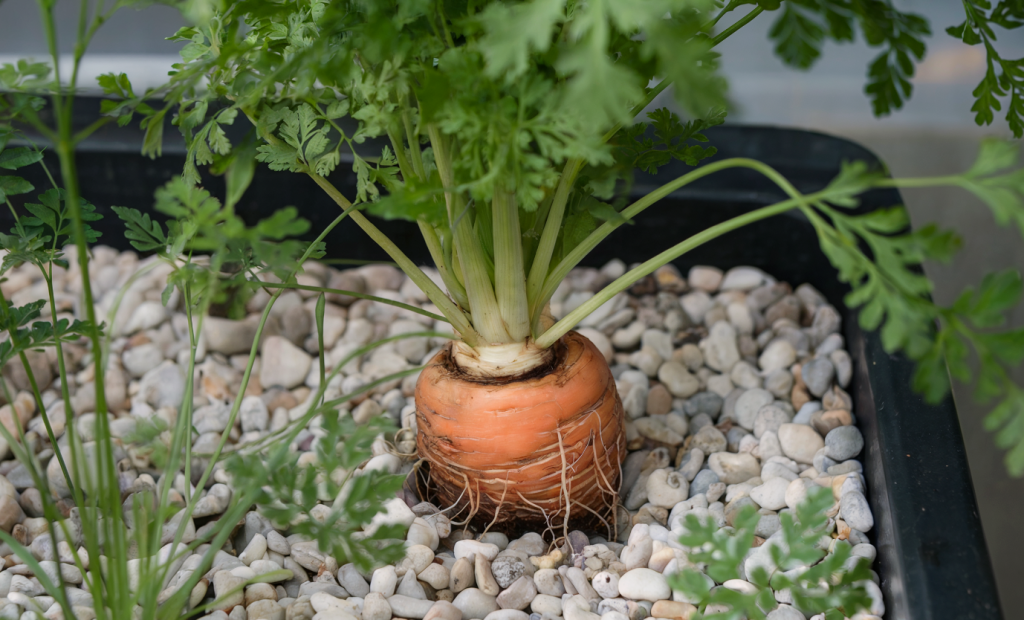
528, 450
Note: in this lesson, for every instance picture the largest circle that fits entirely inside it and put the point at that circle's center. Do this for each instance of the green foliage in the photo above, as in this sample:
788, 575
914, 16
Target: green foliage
1004, 77
290, 490
816, 570
880, 258
803, 26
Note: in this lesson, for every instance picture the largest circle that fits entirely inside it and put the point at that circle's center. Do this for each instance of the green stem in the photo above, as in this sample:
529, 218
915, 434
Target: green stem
321, 308
383, 300
431, 290
741, 22
483, 305
437, 254
91, 128
728, 8
414, 145
509, 283
546, 247
560, 328
580, 251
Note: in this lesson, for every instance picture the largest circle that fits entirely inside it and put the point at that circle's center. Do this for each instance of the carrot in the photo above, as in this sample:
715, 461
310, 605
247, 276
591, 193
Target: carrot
520, 450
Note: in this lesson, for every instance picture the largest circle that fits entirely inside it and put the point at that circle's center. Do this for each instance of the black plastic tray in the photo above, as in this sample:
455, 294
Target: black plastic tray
932, 557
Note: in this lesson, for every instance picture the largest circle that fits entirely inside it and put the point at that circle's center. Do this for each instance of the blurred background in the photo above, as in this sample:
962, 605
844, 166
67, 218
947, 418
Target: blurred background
934, 134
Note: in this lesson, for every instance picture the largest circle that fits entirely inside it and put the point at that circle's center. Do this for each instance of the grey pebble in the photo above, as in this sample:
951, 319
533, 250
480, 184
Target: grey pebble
843, 442
704, 479
704, 402
855, 511
818, 375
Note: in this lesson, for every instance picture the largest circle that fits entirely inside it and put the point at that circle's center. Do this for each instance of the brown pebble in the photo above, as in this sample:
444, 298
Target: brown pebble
651, 514
676, 610
800, 396
842, 530
825, 421
445, 595
837, 398
659, 400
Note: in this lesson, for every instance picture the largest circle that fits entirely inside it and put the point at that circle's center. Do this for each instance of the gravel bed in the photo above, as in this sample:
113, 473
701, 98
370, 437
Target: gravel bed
733, 385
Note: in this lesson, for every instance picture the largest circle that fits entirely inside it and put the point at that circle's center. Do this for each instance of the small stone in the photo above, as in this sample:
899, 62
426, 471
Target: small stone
818, 374
778, 355
410, 586
549, 582
659, 400
253, 414
466, 548
659, 341
507, 614
147, 315
507, 569
678, 380
259, 592
644, 584
603, 344
283, 364
705, 278
733, 468
254, 550
530, 543
224, 582
11, 513
141, 359
843, 365
547, 605
474, 604
796, 491
462, 575
786, 612
799, 442
691, 357
691, 463
441, 610
436, 576
265, 609
825, 421
855, 511
704, 402
749, 404
384, 580
844, 442
771, 494
606, 584
673, 610
227, 336
656, 430
162, 386
666, 489
628, 336
744, 279
709, 440
376, 607
719, 348
518, 595
396, 512
485, 581
405, 607
769, 419
703, 481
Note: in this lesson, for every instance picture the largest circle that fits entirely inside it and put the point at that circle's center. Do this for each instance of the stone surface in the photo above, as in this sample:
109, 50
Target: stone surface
800, 442
644, 584
283, 363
